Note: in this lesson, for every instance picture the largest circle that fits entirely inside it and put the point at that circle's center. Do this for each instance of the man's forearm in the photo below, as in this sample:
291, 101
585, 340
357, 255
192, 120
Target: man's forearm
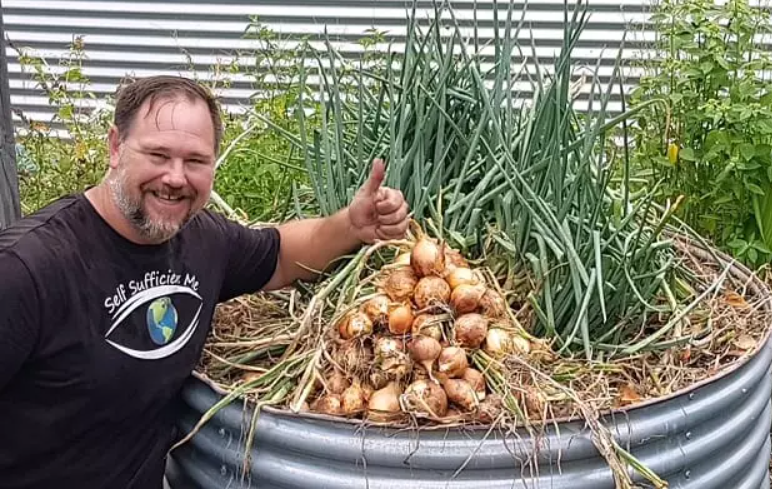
312, 244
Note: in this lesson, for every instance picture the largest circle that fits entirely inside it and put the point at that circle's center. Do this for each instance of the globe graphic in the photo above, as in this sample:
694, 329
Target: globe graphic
161, 320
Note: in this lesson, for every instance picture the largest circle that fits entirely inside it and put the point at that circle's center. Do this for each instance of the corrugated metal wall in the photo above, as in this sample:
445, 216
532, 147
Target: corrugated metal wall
148, 37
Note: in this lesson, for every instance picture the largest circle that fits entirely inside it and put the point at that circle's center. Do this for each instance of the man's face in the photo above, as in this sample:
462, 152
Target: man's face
163, 171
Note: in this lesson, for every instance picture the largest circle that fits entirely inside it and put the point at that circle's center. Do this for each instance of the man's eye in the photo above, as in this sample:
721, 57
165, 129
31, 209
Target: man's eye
158, 155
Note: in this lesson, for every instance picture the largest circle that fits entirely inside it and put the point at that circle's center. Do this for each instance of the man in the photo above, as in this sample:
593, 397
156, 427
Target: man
106, 297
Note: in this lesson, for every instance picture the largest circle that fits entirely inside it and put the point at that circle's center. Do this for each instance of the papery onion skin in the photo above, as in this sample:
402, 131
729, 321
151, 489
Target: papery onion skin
328, 404
470, 330
466, 298
476, 380
461, 393
426, 258
431, 291
459, 276
400, 319
384, 403
426, 398
452, 361
493, 305
400, 284
377, 308
355, 324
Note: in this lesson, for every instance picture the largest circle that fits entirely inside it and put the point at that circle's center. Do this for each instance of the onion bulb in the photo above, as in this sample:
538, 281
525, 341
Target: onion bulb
328, 404
377, 308
384, 403
431, 291
426, 258
498, 343
454, 259
470, 330
493, 304
352, 400
403, 259
521, 345
425, 350
429, 325
425, 398
391, 358
355, 324
452, 361
535, 401
476, 380
466, 298
400, 284
461, 393
489, 409
353, 356
461, 275
337, 382
400, 319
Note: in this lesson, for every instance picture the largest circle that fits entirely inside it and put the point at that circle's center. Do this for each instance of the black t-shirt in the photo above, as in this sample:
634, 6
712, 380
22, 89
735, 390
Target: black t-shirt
98, 334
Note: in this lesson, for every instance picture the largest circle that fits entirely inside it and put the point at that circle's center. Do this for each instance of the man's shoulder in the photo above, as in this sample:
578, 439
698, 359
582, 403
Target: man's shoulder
46, 231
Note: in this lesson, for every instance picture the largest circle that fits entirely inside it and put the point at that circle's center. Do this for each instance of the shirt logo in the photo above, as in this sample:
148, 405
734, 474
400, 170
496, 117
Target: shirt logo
155, 317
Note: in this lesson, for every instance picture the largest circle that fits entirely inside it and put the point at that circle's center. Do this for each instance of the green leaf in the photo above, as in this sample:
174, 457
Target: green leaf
754, 188
761, 247
736, 243
687, 154
753, 255
748, 151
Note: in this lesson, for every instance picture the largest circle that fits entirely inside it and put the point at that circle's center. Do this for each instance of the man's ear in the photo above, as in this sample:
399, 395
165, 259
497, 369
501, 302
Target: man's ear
114, 145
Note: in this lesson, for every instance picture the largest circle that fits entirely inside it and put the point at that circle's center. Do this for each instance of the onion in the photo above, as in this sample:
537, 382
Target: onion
425, 350
452, 361
466, 298
461, 275
470, 330
534, 401
353, 356
476, 380
328, 404
353, 399
400, 283
493, 304
461, 393
454, 259
498, 343
400, 319
403, 259
337, 382
429, 325
426, 258
391, 358
379, 378
521, 345
355, 324
377, 308
425, 398
431, 291
489, 409
384, 404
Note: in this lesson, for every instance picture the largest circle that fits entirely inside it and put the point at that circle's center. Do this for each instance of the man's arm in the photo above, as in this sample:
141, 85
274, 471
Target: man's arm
312, 244
19, 316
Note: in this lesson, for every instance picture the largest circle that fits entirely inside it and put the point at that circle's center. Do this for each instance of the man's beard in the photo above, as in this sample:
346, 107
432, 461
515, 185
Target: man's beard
154, 231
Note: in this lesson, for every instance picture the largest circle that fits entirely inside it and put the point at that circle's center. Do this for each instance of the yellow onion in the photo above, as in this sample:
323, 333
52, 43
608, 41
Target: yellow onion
355, 324
461, 393
425, 398
476, 380
425, 350
328, 404
431, 291
391, 359
379, 378
461, 275
452, 361
377, 308
426, 258
535, 401
400, 319
384, 403
400, 284
493, 304
353, 356
429, 325
454, 259
466, 298
367, 391
498, 343
470, 330
520, 345
489, 409
352, 400
337, 382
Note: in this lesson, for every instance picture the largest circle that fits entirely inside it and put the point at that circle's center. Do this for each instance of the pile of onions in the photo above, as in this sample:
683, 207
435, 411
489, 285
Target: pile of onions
404, 350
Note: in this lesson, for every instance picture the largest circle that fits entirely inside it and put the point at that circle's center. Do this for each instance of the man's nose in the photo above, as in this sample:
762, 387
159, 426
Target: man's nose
175, 173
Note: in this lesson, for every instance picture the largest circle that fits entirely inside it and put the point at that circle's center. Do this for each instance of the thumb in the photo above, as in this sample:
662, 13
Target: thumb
377, 174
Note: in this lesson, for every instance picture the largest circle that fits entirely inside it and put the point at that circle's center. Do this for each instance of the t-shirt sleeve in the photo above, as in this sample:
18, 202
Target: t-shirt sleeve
19, 316
253, 254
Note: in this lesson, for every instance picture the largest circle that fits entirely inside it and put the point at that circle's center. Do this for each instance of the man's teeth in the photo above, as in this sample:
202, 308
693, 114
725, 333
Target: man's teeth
167, 197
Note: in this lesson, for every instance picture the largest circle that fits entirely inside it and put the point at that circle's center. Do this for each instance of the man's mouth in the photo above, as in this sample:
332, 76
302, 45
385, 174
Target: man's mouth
169, 198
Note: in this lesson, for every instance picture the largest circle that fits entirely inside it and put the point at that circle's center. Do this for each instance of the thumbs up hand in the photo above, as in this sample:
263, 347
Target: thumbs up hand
377, 212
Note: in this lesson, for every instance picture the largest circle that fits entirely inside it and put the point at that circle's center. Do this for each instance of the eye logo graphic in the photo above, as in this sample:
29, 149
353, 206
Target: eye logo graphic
155, 311
161, 320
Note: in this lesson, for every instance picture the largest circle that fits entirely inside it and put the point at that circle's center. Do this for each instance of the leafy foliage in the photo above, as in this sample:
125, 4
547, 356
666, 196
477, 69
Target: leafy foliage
714, 143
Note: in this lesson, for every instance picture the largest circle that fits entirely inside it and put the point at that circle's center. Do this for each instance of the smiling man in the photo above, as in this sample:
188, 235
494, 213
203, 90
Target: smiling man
106, 297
